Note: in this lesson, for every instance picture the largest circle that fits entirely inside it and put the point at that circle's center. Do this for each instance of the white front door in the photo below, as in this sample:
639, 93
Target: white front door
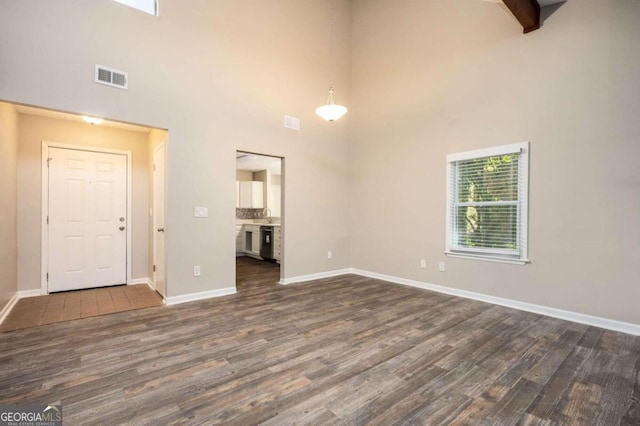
158, 220
87, 215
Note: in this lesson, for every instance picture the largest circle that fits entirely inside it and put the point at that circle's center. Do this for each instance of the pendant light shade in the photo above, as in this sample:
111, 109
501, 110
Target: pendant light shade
331, 111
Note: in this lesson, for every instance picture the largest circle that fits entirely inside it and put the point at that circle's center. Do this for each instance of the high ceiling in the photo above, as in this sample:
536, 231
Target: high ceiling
527, 12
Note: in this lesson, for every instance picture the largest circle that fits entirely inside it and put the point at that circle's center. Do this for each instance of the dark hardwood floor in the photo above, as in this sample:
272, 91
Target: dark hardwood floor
346, 350
256, 276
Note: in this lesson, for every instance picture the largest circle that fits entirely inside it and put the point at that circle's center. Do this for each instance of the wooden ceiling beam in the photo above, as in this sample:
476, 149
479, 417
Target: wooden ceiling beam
527, 12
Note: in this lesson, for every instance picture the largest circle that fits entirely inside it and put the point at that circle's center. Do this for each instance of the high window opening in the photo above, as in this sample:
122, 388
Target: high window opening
147, 6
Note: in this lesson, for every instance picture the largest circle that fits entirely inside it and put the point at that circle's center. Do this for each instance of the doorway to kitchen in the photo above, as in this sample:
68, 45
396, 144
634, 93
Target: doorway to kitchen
259, 221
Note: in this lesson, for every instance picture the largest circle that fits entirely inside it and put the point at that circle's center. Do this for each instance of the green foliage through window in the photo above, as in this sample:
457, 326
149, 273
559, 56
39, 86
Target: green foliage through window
486, 202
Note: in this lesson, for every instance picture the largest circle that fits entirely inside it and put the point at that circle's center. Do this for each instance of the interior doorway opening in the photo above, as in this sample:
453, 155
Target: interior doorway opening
95, 207
259, 221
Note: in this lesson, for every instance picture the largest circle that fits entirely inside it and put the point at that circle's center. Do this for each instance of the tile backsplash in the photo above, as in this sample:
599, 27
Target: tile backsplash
249, 213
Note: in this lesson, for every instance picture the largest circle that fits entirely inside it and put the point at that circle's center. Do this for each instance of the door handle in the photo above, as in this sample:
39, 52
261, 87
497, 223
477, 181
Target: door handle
121, 228
160, 229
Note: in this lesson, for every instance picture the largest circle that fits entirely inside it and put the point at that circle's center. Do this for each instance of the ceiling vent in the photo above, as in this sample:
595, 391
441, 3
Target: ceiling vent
111, 77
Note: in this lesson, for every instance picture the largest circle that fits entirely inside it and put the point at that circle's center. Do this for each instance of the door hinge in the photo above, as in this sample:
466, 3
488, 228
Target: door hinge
49, 161
154, 268
154, 167
47, 220
47, 277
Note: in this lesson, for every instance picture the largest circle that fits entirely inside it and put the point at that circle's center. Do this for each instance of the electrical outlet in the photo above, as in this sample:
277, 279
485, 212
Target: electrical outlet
329, 254
441, 267
196, 271
423, 263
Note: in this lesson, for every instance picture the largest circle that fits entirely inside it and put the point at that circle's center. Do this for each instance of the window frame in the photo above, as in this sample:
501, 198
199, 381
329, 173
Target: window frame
516, 256
133, 4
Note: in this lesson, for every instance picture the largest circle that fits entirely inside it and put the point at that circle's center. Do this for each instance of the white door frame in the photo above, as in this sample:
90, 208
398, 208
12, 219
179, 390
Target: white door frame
161, 146
44, 234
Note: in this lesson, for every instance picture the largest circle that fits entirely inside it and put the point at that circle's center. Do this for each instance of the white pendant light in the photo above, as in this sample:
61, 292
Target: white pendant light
331, 111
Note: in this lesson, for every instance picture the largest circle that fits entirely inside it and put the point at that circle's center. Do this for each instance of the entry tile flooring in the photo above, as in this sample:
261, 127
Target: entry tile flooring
70, 305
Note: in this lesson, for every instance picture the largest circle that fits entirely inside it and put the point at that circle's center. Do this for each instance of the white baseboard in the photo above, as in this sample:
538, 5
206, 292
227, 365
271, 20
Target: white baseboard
144, 280
12, 302
317, 276
624, 327
8, 307
184, 298
29, 293
609, 324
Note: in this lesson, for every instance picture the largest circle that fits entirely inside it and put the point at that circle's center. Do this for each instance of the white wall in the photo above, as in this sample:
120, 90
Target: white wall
434, 77
35, 129
219, 75
430, 77
8, 201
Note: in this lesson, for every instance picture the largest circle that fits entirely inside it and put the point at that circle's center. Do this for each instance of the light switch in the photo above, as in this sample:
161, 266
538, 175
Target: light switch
200, 212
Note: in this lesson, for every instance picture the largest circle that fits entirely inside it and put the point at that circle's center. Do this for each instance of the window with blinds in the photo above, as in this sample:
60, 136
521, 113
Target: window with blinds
487, 203
147, 6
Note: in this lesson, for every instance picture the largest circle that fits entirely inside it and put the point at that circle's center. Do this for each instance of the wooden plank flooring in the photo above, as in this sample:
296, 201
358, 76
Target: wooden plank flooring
346, 350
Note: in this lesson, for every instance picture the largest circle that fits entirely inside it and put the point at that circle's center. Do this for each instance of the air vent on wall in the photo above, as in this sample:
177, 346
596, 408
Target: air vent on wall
111, 77
291, 122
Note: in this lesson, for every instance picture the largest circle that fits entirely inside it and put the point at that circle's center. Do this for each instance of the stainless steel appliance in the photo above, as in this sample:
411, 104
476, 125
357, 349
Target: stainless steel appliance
266, 242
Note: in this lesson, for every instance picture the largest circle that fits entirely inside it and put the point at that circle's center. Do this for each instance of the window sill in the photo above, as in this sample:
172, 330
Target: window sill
487, 258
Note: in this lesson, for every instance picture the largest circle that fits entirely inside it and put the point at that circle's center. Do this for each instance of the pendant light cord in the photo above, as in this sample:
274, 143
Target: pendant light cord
331, 39
331, 111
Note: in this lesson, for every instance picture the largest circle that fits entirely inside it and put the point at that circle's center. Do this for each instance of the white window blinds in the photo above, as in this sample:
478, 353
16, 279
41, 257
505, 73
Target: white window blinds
487, 203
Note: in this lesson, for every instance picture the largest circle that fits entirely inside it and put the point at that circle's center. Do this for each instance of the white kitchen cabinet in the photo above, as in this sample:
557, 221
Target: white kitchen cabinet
277, 243
245, 195
275, 200
256, 242
257, 196
239, 240
250, 195
252, 239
